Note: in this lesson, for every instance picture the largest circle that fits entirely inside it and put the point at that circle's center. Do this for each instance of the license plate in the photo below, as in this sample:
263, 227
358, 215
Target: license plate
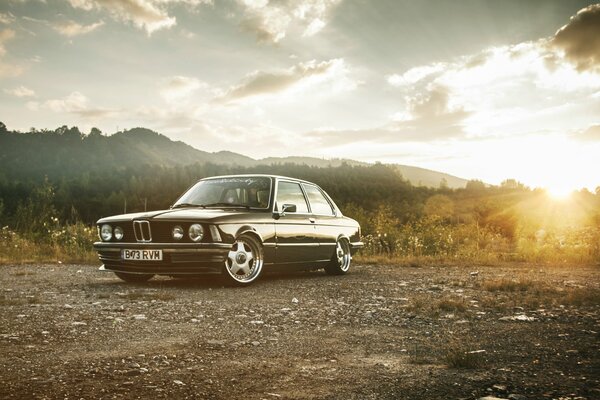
142, 255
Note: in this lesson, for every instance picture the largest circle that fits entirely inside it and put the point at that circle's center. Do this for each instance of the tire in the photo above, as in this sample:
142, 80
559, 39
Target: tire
341, 259
134, 278
244, 261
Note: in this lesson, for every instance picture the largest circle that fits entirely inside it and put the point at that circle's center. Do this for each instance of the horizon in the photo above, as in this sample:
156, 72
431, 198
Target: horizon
474, 89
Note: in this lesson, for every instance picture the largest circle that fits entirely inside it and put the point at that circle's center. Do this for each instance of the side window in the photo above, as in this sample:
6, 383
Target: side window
290, 193
318, 202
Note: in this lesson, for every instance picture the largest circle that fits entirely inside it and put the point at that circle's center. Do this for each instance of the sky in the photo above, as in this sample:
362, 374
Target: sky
480, 89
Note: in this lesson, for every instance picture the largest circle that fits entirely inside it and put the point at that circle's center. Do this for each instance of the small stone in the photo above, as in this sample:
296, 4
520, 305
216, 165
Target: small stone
515, 396
499, 388
78, 323
255, 343
68, 306
178, 382
295, 300
139, 317
474, 273
133, 372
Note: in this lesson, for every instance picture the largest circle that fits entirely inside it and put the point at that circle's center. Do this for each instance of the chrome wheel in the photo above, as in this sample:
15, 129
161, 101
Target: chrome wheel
245, 260
340, 262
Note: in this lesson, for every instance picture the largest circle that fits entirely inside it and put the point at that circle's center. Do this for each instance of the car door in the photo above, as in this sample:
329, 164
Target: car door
294, 230
326, 224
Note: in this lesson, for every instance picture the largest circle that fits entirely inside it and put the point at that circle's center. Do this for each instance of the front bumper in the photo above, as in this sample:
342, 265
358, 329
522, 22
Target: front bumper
178, 258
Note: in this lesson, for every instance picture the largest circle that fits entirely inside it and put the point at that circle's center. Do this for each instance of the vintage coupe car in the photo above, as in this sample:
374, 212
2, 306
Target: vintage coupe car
236, 225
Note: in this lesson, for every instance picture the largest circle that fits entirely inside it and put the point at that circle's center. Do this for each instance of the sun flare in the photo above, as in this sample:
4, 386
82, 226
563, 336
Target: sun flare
560, 192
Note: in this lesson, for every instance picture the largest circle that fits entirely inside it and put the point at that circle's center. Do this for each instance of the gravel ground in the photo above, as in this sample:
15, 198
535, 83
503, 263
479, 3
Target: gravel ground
380, 332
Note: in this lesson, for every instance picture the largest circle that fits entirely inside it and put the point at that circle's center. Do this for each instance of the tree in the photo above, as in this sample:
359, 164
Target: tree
440, 206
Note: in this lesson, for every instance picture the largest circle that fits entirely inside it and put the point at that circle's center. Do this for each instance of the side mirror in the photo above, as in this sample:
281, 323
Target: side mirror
284, 208
288, 208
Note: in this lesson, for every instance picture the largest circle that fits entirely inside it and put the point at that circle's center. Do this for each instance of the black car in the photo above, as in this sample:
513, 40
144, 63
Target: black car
235, 225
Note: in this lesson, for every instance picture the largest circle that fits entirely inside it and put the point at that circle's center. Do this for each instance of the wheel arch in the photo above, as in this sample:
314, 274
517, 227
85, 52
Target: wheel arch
249, 230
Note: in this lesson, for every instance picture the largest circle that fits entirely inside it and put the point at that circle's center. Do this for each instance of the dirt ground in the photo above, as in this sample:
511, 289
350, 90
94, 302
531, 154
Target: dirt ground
517, 331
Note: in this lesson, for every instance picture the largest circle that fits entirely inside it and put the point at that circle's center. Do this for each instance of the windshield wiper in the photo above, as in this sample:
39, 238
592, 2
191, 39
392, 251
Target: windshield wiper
221, 204
181, 205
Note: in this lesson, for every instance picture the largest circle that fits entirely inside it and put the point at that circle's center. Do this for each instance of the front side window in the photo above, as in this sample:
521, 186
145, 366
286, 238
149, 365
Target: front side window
318, 202
253, 192
291, 193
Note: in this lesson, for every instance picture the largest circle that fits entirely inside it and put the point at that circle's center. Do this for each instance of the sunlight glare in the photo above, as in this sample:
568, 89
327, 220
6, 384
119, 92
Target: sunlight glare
560, 192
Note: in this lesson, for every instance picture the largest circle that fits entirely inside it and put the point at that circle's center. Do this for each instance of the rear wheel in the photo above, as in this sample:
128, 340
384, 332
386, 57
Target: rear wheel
134, 277
341, 259
244, 261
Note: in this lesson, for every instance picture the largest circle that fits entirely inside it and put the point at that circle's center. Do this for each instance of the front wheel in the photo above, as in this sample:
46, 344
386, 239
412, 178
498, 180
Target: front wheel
244, 261
134, 278
341, 259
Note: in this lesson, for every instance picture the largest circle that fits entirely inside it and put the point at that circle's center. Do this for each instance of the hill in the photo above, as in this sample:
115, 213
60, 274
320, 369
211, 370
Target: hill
67, 152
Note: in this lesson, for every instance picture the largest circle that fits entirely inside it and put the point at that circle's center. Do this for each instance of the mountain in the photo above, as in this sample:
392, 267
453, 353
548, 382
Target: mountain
66, 152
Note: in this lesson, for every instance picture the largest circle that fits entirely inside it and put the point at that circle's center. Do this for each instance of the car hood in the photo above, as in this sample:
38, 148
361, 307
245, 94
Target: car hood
177, 214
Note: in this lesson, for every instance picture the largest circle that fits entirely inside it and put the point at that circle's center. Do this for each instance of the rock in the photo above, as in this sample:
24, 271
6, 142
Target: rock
295, 300
499, 388
78, 323
520, 317
474, 273
256, 322
133, 372
514, 396
490, 398
139, 317
215, 342
256, 343
68, 306
178, 382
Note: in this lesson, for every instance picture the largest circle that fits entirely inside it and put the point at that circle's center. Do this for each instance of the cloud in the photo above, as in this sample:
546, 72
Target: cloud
7, 70
72, 28
5, 36
76, 103
150, 15
271, 20
6, 18
20, 91
591, 134
260, 83
179, 87
580, 39
429, 117
415, 75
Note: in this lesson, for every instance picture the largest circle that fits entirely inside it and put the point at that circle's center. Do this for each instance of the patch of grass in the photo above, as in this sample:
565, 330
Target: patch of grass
581, 297
452, 305
509, 285
24, 273
458, 357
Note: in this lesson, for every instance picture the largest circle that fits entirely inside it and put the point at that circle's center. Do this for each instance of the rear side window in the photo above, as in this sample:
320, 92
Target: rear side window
290, 193
318, 202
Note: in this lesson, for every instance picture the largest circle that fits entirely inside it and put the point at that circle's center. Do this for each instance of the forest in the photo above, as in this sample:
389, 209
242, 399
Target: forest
49, 202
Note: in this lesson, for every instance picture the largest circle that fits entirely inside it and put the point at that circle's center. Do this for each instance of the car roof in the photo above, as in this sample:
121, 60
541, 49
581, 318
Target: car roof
260, 175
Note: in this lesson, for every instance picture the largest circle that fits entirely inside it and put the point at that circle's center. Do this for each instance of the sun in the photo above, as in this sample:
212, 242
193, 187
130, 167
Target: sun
560, 192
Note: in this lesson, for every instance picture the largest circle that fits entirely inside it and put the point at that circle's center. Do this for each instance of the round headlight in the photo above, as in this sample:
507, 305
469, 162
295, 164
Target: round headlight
177, 232
118, 232
196, 232
106, 232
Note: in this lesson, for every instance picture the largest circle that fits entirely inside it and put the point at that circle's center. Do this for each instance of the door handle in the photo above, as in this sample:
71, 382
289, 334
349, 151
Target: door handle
312, 220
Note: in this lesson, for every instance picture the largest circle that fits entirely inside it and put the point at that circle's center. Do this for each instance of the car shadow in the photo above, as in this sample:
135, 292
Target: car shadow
211, 281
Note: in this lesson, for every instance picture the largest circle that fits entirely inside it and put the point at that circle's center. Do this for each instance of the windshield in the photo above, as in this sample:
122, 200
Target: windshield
249, 192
